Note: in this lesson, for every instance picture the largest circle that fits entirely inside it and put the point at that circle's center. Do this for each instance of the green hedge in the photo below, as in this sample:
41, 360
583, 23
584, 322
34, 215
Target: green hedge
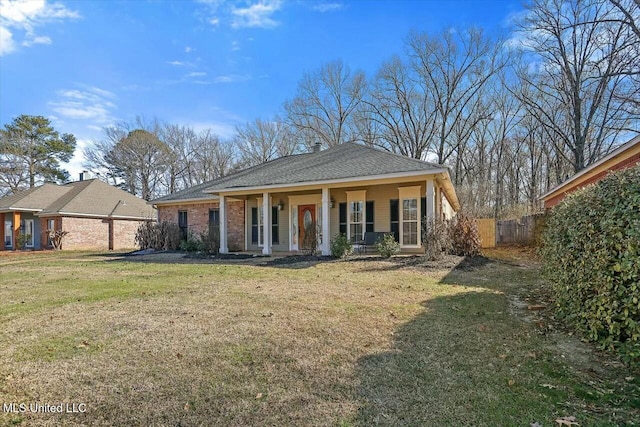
591, 251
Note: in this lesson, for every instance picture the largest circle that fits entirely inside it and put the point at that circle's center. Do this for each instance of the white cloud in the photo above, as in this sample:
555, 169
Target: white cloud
37, 40
235, 45
232, 78
188, 49
7, 45
327, 7
90, 103
215, 21
196, 74
257, 15
24, 17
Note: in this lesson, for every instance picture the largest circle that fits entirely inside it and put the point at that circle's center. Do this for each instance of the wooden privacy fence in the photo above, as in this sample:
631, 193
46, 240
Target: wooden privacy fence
520, 231
487, 231
505, 232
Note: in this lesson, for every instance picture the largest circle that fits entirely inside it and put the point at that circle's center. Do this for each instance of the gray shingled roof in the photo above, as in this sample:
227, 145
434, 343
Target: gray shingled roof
343, 161
91, 197
192, 193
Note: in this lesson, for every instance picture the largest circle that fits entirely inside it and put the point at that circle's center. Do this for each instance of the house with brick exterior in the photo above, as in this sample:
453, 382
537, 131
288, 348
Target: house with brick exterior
350, 188
96, 215
625, 156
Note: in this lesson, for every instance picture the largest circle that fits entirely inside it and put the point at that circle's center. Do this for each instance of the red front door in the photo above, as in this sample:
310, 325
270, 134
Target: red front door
307, 225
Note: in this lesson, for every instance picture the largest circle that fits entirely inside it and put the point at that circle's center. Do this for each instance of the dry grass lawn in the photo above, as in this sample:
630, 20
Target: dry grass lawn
161, 342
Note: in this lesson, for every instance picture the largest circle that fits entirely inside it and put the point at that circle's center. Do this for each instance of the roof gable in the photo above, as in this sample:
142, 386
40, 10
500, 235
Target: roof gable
96, 198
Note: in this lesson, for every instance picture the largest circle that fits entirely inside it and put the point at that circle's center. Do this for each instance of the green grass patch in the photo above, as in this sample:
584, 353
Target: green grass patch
355, 343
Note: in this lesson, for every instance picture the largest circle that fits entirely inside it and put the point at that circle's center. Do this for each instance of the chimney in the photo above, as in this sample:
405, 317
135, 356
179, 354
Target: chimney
317, 147
84, 175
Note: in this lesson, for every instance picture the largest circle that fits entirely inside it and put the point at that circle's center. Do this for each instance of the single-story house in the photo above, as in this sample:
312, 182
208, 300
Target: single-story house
625, 156
95, 214
349, 188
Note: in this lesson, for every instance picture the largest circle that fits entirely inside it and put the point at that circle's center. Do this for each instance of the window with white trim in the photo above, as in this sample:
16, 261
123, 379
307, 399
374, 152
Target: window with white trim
409, 216
51, 225
356, 215
8, 233
410, 221
29, 231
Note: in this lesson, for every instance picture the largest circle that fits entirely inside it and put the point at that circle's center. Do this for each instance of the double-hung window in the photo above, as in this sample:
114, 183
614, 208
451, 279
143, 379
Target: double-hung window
8, 234
409, 229
356, 215
51, 226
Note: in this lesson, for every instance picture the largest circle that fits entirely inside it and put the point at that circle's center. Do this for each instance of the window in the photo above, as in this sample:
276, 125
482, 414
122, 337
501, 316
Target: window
356, 221
183, 224
342, 211
8, 233
214, 219
257, 225
356, 214
51, 226
410, 222
29, 231
369, 216
409, 216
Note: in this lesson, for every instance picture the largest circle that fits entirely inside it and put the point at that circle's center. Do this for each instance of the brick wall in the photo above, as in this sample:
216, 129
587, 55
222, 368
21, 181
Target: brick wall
198, 219
85, 233
124, 234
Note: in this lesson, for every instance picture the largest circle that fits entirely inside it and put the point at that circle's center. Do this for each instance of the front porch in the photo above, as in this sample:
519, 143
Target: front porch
291, 219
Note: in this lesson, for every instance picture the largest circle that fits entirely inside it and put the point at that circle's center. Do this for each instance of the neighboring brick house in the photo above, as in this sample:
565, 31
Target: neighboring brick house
95, 214
625, 156
350, 188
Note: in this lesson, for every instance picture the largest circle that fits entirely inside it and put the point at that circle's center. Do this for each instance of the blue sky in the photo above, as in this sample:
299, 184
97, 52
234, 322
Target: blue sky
207, 64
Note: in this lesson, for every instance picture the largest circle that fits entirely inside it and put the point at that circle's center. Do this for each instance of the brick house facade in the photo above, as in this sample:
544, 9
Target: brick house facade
96, 215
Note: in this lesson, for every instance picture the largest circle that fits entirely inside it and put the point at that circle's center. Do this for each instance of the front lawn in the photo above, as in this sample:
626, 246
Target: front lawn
365, 342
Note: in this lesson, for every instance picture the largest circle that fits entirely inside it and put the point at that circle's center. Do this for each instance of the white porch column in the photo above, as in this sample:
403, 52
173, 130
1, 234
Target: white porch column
266, 227
325, 222
223, 225
431, 206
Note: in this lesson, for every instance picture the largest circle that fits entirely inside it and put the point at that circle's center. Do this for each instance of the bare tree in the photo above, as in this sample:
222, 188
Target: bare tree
212, 158
132, 156
454, 68
403, 110
182, 142
260, 141
325, 102
580, 78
